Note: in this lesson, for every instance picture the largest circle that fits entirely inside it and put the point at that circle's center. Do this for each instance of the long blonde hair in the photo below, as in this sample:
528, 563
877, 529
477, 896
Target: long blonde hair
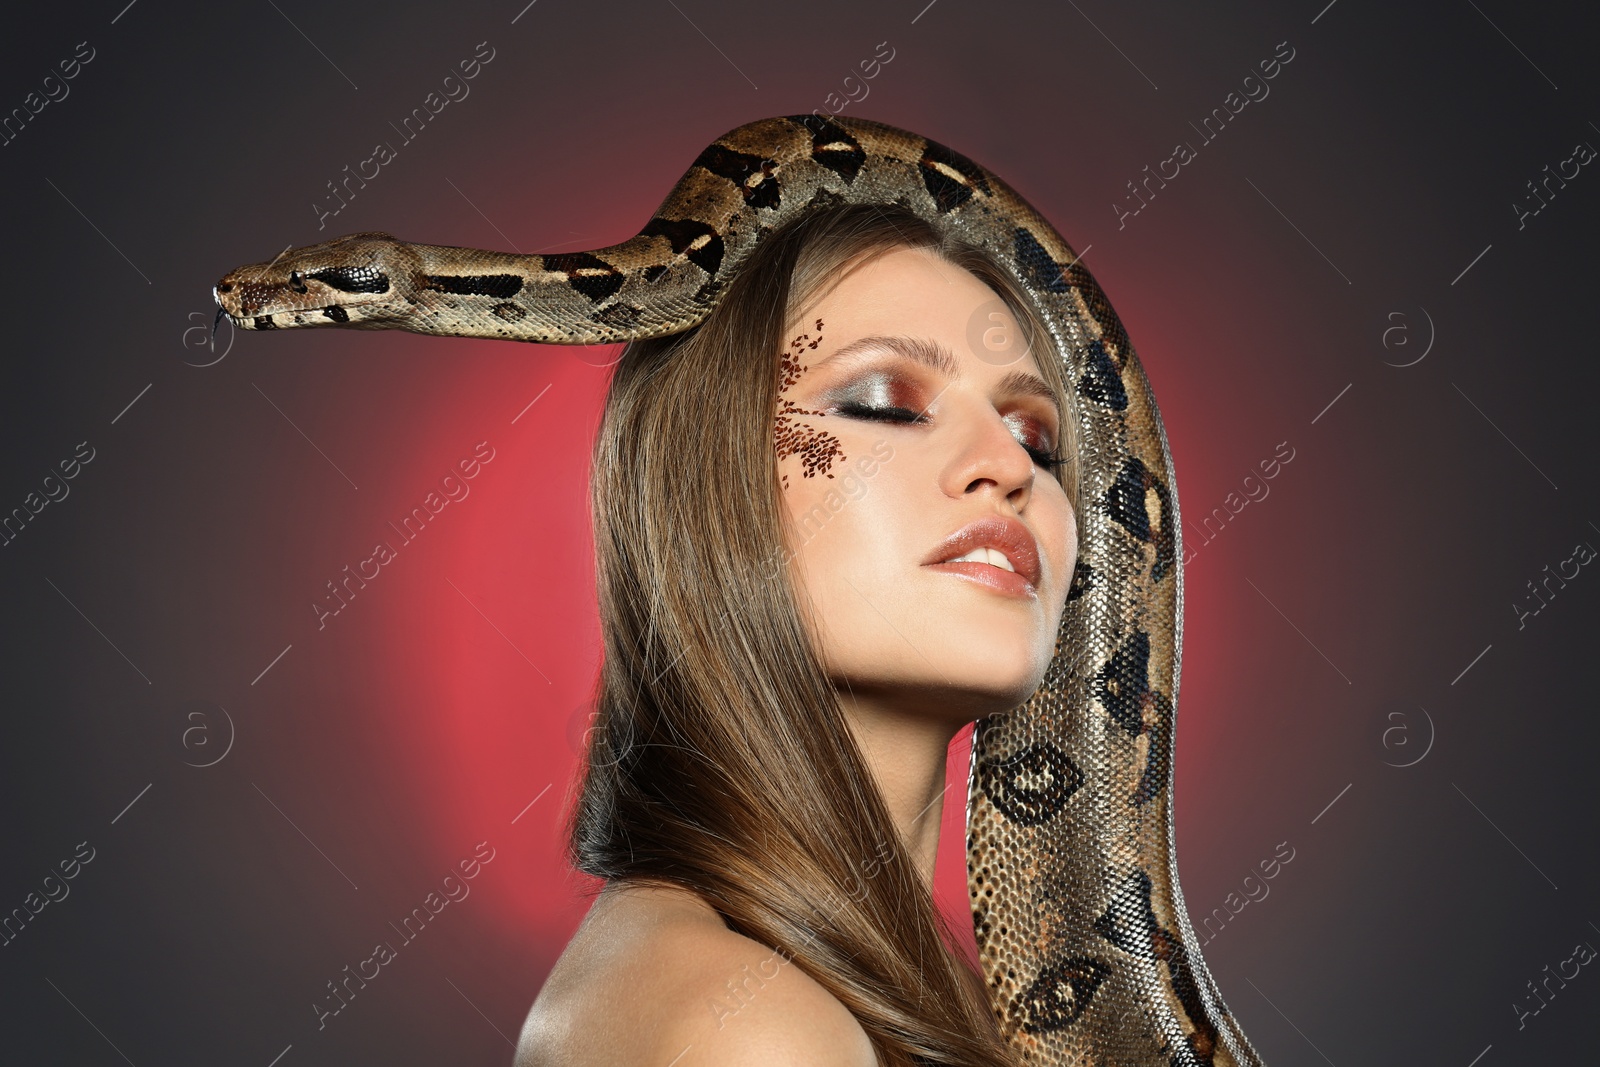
721, 760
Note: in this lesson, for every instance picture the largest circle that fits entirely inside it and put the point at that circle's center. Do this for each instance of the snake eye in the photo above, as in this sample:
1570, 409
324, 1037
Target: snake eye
297, 281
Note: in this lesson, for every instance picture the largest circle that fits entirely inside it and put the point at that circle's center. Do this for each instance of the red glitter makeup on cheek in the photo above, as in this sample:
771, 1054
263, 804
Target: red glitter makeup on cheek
817, 449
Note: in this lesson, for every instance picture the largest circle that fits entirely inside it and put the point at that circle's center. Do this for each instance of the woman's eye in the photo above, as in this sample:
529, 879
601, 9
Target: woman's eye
1048, 460
881, 397
854, 410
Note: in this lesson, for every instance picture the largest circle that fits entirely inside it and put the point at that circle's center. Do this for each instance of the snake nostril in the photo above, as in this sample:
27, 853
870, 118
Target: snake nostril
225, 287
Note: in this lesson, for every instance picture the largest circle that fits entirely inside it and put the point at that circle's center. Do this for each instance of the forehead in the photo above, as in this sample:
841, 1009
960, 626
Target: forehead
947, 317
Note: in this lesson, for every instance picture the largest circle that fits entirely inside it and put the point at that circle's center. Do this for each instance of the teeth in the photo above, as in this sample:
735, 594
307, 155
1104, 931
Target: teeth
993, 557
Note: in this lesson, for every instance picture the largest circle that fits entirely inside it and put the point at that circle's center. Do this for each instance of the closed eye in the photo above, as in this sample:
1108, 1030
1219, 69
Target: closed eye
883, 414
1049, 460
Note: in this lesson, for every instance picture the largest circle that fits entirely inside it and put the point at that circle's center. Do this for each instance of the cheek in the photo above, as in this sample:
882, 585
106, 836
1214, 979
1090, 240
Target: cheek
1065, 557
851, 542
803, 449
849, 523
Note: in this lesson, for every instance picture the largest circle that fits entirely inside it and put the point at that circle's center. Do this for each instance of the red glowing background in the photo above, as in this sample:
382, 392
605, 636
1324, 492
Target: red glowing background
371, 750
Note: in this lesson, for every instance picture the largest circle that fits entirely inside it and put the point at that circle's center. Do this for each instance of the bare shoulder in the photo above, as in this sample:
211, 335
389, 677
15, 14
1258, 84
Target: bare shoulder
653, 977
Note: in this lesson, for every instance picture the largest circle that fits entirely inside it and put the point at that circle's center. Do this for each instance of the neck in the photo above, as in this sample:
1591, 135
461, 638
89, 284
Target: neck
906, 754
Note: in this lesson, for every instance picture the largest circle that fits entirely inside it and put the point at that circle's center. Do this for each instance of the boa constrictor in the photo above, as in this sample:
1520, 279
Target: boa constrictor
1084, 941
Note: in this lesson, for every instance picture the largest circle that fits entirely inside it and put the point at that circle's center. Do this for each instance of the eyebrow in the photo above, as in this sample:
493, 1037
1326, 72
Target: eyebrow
935, 356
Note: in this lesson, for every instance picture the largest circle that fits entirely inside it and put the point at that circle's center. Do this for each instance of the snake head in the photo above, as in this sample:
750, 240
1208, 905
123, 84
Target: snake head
362, 280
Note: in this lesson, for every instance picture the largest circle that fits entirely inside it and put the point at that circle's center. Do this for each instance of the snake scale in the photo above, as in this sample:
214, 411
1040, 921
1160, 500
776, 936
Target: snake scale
1084, 941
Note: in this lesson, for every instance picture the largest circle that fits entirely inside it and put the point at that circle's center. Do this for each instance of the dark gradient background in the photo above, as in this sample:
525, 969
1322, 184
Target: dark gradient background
296, 790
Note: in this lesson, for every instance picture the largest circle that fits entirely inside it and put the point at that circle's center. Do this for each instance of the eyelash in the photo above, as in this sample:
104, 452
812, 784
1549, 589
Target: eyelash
1048, 460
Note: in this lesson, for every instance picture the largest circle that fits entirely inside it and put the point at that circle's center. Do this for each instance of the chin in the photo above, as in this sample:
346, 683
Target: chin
991, 674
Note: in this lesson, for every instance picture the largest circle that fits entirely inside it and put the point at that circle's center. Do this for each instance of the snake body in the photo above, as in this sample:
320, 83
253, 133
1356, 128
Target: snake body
1084, 941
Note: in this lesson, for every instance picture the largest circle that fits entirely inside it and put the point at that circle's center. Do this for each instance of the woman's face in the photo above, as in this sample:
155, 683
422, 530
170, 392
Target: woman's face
912, 429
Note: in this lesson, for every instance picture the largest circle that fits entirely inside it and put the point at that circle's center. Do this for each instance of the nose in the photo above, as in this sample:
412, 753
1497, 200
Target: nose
990, 459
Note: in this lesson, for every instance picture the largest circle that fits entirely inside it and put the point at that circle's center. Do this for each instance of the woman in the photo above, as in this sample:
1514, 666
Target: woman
767, 770
824, 543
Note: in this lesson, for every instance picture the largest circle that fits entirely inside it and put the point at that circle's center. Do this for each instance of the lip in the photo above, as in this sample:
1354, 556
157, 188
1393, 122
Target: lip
1010, 538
